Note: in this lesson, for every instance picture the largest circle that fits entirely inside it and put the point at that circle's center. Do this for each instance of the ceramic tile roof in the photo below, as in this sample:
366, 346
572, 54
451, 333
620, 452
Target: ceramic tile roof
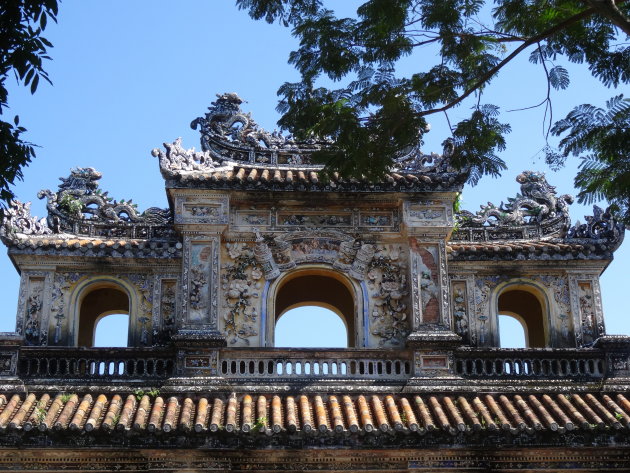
313, 414
259, 178
529, 249
89, 246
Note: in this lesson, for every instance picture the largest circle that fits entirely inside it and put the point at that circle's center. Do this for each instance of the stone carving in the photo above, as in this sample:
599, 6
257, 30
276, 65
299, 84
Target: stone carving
241, 286
199, 276
313, 220
559, 287
17, 219
387, 281
600, 225
264, 257
61, 287
198, 281
168, 300
536, 203
588, 316
177, 158
460, 308
144, 285
429, 282
483, 287
228, 133
34, 306
79, 205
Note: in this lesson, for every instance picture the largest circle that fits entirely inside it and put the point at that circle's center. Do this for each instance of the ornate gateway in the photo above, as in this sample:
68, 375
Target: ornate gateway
253, 229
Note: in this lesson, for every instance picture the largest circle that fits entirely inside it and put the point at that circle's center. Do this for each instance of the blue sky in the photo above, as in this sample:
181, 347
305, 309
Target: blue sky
129, 76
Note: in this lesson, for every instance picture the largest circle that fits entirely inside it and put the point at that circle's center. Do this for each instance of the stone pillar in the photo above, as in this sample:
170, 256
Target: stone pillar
429, 224
200, 217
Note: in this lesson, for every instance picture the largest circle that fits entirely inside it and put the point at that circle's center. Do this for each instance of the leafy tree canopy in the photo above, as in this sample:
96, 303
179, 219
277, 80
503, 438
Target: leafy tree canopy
374, 114
22, 53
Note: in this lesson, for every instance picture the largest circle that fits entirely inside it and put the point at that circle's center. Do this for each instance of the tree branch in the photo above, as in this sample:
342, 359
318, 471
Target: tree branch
610, 10
533, 40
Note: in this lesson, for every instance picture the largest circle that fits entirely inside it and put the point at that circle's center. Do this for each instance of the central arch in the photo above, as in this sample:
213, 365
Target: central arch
316, 286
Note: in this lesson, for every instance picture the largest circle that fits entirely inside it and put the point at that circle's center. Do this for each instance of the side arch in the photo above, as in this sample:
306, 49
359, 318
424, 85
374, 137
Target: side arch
528, 303
95, 298
315, 285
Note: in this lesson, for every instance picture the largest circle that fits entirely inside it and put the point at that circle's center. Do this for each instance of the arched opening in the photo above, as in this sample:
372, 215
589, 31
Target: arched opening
527, 308
311, 327
95, 307
319, 288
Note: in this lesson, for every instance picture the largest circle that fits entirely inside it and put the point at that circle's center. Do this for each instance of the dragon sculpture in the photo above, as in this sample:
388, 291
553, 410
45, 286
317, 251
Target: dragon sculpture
536, 202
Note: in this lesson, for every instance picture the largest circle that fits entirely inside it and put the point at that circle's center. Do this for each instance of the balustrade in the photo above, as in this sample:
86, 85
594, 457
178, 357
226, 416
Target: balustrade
95, 363
240, 364
518, 363
324, 364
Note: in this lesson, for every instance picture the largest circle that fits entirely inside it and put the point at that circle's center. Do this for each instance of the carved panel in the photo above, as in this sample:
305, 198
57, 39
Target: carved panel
241, 282
387, 283
484, 325
166, 309
426, 274
200, 272
561, 317
34, 306
428, 213
461, 309
61, 287
201, 209
298, 218
588, 302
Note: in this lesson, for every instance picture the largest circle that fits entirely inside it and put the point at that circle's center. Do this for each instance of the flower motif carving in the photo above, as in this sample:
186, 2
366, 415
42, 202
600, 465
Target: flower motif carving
241, 285
387, 281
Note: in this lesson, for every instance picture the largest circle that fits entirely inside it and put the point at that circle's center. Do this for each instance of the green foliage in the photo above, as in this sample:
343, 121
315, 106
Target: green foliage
71, 204
260, 424
66, 397
601, 138
373, 115
152, 393
22, 53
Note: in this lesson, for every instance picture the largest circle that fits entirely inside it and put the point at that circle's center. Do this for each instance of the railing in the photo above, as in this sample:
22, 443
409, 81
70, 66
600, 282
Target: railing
297, 365
534, 363
96, 363
314, 363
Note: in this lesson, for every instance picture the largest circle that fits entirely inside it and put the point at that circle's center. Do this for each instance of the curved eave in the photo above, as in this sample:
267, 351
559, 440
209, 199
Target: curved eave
246, 178
64, 244
555, 249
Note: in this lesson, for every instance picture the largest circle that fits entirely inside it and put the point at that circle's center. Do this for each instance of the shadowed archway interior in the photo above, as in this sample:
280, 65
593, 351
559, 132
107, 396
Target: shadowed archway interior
96, 304
318, 289
527, 309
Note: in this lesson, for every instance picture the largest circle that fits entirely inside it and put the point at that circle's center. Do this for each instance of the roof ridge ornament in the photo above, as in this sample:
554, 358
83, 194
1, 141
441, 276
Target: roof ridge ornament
600, 225
17, 219
536, 203
79, 206
230, 138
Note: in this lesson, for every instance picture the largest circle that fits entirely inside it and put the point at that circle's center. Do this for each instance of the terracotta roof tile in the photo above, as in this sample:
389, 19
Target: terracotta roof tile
317, 414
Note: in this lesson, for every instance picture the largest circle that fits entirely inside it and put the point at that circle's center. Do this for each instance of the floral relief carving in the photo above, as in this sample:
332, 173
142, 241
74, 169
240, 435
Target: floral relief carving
61, 287
241, 284
387, 282
168, 299
460, 308
559, 287
34, 306
198, 281
483, 288
144, 285
587, 312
